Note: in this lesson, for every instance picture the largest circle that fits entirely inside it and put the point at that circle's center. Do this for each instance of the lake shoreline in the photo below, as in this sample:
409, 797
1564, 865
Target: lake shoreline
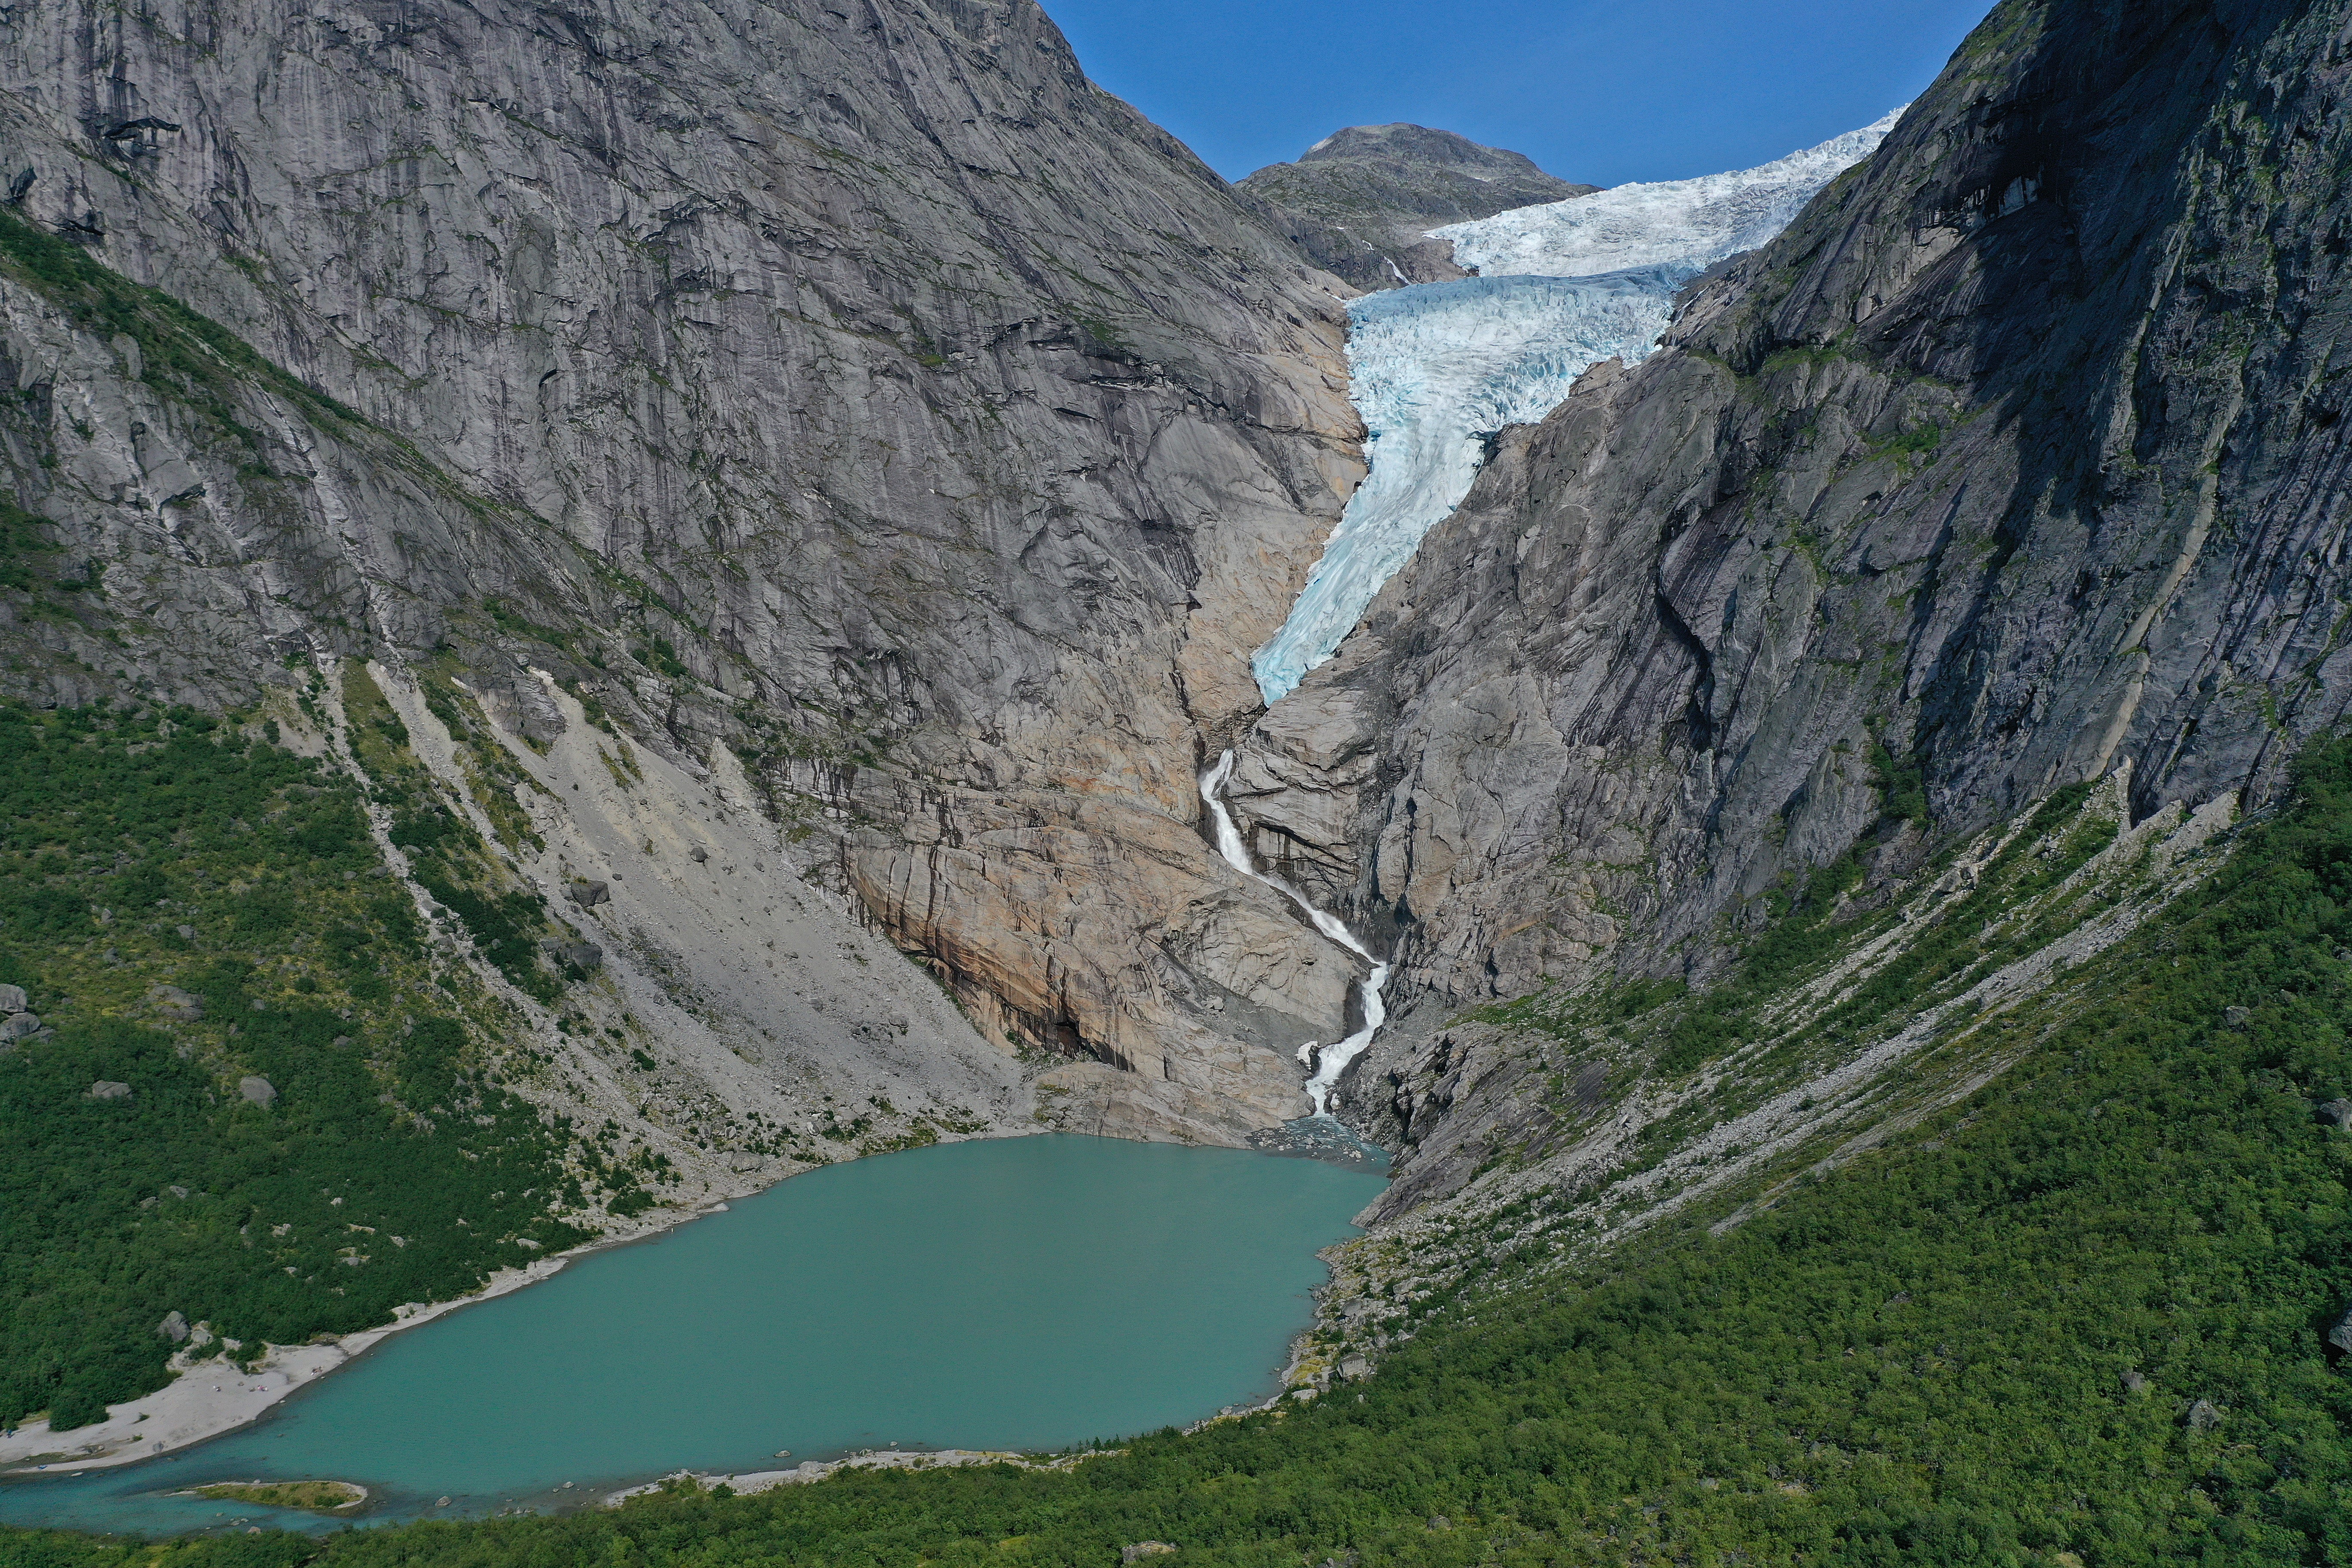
182, 1413
211, 1399
747, 1482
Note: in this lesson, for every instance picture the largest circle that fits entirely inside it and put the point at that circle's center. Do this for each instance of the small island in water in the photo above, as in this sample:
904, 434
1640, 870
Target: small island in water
317, 1496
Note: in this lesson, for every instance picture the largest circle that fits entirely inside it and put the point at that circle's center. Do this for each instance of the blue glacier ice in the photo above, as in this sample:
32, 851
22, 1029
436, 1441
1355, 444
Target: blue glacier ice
1439, 367
1701, 220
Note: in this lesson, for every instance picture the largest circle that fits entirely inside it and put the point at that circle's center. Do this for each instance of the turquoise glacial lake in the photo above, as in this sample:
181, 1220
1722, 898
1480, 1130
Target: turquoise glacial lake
1026, 1293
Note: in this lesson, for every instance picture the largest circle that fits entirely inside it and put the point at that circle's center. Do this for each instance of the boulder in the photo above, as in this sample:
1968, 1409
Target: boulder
2336, 1114
180, 1007
1354, 1369
14, 1000
587, 892
583, 955
173, 1328
2135, 1381
2202, 1416
697, 855
2236, 1018
107, 1089
16, 1026
1143, 1549
258, 1089
2340, 1336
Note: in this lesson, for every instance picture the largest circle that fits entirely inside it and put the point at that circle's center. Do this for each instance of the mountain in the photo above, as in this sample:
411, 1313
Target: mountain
1361, 201
720, 505
1851, 810
1949, 498
924, 429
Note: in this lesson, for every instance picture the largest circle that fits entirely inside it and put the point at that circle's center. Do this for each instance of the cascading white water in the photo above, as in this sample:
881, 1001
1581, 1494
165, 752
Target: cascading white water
1324, 1063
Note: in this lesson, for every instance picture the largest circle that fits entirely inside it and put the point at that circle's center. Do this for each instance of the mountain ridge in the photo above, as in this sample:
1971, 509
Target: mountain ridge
1360, 202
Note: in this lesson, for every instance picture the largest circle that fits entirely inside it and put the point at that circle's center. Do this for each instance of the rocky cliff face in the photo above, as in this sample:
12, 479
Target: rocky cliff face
855, 388
2016, 459
1361, 201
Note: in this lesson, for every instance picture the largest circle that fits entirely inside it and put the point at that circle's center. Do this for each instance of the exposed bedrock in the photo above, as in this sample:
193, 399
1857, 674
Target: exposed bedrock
2020, 456
861, 389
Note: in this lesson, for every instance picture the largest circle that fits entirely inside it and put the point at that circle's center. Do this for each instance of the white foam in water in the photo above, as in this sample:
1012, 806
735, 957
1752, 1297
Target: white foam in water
1439, 367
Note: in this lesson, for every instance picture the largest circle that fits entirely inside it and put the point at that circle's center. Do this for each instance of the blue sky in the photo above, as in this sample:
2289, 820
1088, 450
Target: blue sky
1599, 90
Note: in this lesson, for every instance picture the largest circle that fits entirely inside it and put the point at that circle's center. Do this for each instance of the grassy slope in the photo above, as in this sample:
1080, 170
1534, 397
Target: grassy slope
1918, 1359
117, 831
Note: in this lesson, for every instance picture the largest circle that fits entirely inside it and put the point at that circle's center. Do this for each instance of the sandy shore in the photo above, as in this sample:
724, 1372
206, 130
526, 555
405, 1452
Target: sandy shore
212, 1396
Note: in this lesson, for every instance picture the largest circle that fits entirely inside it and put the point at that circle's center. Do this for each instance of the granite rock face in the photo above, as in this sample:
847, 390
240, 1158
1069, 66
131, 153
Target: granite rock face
861, 389
2020, 457
1361, 201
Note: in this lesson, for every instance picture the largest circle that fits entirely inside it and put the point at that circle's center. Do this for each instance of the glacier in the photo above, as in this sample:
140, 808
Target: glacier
1698, 221
1437, 368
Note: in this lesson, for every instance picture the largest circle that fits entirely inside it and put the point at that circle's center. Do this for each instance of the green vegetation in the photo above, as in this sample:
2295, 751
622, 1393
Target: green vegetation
507, 918
150, 852
658, 654
1904, 784
182, 355
22, 542
1808, 927
319, 1497
2078, 1318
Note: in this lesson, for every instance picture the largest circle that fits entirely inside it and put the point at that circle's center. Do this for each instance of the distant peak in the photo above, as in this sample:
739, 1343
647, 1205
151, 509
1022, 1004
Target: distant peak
1418, 144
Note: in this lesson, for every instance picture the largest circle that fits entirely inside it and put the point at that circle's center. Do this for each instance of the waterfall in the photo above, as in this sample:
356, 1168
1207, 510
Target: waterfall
1324, 1063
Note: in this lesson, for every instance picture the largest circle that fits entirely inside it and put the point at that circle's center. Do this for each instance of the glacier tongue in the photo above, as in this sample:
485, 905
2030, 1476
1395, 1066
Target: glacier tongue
1438, 367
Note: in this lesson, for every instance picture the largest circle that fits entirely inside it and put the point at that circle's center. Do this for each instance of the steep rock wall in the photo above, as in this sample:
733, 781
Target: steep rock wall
2017, 456
856, 385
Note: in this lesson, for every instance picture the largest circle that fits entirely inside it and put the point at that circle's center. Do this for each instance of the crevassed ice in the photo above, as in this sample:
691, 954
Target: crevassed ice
1439, 367
1701, 220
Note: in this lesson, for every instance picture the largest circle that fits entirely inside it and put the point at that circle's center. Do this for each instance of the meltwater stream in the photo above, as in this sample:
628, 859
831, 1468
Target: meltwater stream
1324, 1063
